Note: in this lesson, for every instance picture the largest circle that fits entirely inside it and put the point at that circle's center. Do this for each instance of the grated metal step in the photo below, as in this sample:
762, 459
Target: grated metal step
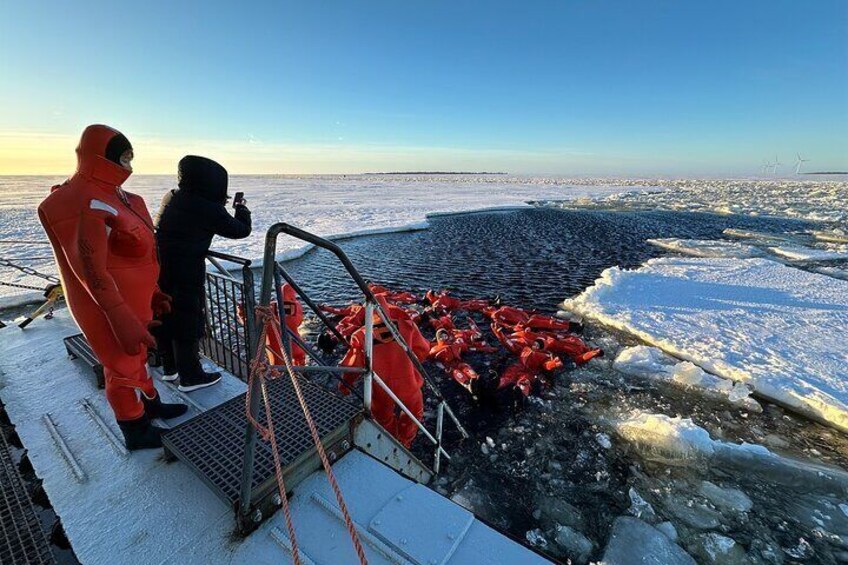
22, 541
212, 443
78, 348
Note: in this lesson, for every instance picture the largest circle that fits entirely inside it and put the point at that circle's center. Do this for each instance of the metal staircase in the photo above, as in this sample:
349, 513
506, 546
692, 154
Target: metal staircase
225, 451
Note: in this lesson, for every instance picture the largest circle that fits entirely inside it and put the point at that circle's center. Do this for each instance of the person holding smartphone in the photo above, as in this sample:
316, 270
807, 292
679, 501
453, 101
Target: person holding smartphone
189, 217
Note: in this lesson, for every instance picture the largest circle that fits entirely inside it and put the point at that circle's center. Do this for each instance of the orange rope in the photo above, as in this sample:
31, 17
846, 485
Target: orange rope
260, 365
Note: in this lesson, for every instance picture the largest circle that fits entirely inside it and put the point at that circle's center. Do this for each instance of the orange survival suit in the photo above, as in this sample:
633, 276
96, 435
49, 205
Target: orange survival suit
394, 368
294, 317
102, 239
447, 353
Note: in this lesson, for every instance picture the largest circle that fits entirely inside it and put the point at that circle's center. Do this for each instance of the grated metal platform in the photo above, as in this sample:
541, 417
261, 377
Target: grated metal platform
22, 541
78, 348
212, 443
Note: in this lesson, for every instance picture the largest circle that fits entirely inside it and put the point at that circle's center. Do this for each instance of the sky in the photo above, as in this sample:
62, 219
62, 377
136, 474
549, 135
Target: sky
591, 87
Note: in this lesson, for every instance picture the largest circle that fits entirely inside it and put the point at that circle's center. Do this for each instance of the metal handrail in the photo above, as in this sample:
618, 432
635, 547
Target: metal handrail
272, 275
317, 241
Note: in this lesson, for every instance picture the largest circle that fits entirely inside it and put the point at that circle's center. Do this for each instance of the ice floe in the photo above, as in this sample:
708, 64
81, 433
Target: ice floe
778, 329
651, 363
810, 254
707, 248
756, 235
634, 542
679, 441
814, 200
831, 236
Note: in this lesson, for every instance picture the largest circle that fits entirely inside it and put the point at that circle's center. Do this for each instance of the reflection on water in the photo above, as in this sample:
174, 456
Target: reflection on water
554, 473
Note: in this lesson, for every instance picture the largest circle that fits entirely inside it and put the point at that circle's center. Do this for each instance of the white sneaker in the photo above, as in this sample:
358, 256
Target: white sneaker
170, 378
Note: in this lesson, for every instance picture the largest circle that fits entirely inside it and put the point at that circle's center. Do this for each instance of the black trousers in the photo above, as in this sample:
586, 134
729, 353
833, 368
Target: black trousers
179, 356
178, 338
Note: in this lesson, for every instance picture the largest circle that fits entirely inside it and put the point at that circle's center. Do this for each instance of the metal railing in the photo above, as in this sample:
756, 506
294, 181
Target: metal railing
230, 302
273, 275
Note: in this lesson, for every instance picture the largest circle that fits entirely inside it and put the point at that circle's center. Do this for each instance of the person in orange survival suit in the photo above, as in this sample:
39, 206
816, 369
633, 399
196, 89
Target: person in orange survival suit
102, 239
294, 317
447, 353
391, 363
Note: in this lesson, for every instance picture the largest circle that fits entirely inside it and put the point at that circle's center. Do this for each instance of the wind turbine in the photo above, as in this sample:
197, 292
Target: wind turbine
775, 165
765, 167
798, 164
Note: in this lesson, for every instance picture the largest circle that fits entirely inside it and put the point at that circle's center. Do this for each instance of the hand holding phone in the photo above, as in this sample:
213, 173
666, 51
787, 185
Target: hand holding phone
239, 199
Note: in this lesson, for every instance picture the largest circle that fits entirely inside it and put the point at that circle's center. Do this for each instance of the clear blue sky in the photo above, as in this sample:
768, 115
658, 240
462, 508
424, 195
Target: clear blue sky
569, 87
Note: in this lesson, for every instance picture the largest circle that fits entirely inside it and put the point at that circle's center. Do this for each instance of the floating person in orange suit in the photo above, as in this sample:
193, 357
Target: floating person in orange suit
395, 368
447, 353
294, 317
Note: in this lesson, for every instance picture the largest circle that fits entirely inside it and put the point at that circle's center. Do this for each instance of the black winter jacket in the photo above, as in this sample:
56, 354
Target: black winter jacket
188, 219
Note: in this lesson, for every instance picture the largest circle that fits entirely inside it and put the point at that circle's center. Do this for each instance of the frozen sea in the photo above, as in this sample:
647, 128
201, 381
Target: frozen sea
687, 456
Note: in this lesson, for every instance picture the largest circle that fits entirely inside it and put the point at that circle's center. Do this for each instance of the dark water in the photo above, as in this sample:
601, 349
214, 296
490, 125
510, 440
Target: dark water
533, 259
548, 451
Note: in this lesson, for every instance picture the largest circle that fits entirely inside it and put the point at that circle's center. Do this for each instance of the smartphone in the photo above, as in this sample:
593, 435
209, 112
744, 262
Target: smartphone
238, 199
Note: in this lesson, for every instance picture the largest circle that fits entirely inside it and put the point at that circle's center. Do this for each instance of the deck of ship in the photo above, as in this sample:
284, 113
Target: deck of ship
141, 508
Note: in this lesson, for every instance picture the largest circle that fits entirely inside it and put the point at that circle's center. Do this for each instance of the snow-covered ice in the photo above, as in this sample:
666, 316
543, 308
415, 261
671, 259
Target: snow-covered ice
706, 247
634, 542
802, 253
835, 272
680, 442
818, 200
650, 362
756, 235
778, 329
831, 236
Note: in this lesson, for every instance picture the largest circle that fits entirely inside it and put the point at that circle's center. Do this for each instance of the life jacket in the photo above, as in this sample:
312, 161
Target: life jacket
464, 374
338, 311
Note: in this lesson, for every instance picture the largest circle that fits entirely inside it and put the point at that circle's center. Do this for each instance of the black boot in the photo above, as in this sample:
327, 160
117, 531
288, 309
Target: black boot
155, 408
141, 434
197, 381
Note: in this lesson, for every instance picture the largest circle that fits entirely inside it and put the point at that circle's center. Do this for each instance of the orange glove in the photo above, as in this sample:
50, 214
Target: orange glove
161, 303
128, 329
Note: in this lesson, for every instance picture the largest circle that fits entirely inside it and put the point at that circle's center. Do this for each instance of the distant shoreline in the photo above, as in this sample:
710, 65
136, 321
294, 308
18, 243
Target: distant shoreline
827, 173
435, 173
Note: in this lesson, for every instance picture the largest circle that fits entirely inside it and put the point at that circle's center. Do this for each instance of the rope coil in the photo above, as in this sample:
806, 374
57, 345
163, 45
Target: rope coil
261, 368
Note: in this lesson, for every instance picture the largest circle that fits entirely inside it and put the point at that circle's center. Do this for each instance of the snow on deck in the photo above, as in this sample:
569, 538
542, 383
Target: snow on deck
779, 329
119, 507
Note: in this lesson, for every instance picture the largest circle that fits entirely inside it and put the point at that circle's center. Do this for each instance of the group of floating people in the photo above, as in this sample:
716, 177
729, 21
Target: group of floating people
135, 283
535, 346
